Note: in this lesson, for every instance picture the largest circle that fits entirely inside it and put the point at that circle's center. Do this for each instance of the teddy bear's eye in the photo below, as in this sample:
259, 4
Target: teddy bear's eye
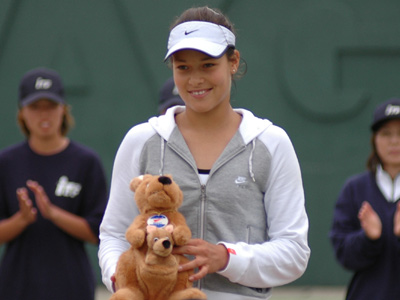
155, 239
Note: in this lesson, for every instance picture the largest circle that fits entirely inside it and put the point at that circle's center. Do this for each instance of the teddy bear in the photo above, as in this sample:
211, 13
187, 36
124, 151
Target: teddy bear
152, 273
158, 199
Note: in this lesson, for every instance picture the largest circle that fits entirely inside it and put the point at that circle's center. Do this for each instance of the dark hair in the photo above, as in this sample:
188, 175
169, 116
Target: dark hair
67, 123
212, 15
206, 14
373, 159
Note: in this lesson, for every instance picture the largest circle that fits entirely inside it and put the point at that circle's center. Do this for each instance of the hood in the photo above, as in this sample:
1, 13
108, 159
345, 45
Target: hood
250, 127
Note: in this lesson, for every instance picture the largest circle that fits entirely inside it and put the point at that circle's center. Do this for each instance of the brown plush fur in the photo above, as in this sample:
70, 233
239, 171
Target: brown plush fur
148, 270
156, 195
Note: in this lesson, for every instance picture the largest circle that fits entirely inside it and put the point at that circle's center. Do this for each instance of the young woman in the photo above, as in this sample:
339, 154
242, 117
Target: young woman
52, 199
366, 224
243, 194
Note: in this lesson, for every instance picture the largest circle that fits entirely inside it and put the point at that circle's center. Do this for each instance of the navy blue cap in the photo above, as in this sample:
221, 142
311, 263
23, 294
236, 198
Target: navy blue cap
388, 110
40, 83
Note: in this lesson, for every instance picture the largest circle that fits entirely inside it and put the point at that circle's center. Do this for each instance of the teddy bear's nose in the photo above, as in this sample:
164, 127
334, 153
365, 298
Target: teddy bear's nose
166, 244
164, 180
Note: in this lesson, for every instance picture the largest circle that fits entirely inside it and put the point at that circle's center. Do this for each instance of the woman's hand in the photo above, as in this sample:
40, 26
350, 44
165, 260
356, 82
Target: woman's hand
370, 221
13, 226
396, 221
42, 200
209, 258
27, 212
72, 224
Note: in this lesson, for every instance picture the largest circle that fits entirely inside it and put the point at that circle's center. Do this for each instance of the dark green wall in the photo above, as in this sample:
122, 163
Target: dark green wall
316, 68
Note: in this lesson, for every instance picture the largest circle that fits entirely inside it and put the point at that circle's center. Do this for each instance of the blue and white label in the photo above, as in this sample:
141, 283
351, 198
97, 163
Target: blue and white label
159, 221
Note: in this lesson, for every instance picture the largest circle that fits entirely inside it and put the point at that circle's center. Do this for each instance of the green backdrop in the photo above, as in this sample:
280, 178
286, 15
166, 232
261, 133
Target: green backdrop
317, 68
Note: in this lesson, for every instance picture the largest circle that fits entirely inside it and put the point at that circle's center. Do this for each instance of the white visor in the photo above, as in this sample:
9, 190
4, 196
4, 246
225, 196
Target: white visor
210, 38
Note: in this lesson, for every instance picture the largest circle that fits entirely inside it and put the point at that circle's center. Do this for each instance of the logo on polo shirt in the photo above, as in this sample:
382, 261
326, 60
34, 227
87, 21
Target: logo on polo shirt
66, 188
392, 110
43, 83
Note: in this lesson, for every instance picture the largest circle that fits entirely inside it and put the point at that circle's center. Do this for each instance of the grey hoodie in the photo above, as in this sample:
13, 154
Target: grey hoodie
252, 202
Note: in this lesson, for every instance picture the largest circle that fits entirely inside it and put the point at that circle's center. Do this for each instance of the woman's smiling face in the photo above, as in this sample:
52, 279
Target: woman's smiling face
203, 82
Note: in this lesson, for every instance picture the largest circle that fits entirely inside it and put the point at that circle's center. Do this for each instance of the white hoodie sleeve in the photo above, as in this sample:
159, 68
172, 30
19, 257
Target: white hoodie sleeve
121, 208
284, 257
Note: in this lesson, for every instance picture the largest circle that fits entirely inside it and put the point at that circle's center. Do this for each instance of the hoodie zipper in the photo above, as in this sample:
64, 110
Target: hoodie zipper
202, 220
202, 210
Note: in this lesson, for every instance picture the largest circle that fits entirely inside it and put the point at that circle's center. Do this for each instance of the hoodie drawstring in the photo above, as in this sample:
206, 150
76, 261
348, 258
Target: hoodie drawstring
161, 171
251, 160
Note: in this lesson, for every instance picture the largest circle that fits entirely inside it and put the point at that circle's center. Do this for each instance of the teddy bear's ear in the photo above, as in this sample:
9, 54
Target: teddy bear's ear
151, 228
135, 182
169, 228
